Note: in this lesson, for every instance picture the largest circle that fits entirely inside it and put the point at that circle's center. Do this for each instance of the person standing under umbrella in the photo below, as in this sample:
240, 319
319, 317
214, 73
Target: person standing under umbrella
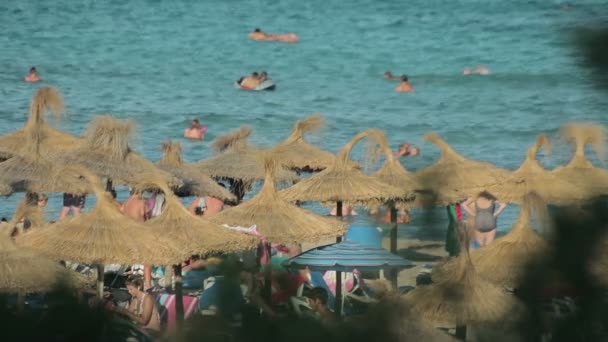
484, 214
73, 202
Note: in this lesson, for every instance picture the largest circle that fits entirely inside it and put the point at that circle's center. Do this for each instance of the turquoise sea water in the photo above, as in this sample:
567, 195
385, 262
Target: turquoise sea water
162, 63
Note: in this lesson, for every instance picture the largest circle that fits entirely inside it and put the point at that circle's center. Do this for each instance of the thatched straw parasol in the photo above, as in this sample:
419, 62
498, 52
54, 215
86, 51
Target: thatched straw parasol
194, 182
453, 177
504, 262
297, 154
192, 234
24, 271
46, 98
238, 160
105, 151
532, 177
102, 236
579, 170
277, 220
343, 181
463, 298
5, 189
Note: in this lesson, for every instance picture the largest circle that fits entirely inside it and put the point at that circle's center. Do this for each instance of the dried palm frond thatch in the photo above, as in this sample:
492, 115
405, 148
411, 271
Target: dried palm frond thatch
297, 154
453, 178
532, 177
580, 171
343, 182
194, 182
277, 220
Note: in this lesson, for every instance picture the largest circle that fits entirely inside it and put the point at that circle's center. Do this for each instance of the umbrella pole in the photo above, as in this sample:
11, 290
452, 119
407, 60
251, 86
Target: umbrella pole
461, 332
339, 214
179, 295
20, 301
338, 301
100, 274
109, 184
394, 273
268, 276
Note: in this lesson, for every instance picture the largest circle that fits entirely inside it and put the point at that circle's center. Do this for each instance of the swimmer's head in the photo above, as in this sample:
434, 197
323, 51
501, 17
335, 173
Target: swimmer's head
263, 76
414, 151
388, 74
196, 123
255, 74
257, 30
32, 70
404, 78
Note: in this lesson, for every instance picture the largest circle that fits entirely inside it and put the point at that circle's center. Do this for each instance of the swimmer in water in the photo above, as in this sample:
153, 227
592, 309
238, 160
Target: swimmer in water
258, 34
263, 77
404, 86
479, 70
389, 76
406, 149
250, 82
32, 76
196, 131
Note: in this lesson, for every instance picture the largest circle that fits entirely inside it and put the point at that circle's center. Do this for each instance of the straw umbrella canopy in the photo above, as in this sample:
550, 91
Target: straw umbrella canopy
46, 98
24, 271
532, 177
504, 262
105, 151
194, 182
277, 220
238, 160
453, 178
102, 236
27, 169
192, 234
462, 297
579, 170
343, 181
297, 154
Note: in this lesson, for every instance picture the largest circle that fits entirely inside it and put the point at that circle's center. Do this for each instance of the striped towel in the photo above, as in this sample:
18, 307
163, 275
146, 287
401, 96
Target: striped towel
166, 304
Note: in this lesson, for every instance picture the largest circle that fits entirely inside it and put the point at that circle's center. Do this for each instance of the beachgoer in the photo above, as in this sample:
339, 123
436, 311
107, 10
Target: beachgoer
32, 75
196, 131
206, 206
317, 299
250, 82
258, 34
403, 216
135, 207
389, 76
263, 77
142, 307
404, 86
347, 210
74, 202
484, 215
406, 149
482, 70
466, 71
43, 200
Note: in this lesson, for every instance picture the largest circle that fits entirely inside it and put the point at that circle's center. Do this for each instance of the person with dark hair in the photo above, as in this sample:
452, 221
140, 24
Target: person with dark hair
250, 82
142, 307
32, 76
317, 299
389, 76
196, 131
258, 34
484, 214
404, 86
73, 202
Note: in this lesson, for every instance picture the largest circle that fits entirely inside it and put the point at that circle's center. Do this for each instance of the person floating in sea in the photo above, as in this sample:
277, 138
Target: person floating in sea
258, 34
251, 81
407, 150
404, 86
389, 76
196, 131
479, 70
32, 75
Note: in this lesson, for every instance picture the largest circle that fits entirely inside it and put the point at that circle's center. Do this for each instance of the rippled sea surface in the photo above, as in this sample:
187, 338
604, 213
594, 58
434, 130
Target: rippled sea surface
162, 63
